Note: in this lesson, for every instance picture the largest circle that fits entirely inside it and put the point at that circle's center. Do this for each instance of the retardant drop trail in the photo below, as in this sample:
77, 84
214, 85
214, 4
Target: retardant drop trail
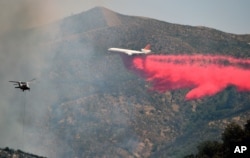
204, 75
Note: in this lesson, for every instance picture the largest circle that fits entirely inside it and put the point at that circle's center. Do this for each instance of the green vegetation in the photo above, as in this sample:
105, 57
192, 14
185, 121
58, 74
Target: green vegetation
233, 133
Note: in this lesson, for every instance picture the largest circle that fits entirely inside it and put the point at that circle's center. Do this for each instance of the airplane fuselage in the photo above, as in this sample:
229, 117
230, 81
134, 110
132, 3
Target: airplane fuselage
126, 51
23, 86
145, 50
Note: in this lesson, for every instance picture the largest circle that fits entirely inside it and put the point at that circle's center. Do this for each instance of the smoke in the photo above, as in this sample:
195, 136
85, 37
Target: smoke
26, 53
204, 75
22, 58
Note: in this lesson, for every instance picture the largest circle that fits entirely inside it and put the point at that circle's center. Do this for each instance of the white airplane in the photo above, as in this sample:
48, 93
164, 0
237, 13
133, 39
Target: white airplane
145, 50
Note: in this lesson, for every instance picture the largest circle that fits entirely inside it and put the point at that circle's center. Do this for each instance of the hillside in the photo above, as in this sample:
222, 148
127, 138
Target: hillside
10, 153
98, 108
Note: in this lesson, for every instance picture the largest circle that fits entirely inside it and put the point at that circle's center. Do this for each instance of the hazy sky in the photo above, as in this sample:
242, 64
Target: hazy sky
226, 15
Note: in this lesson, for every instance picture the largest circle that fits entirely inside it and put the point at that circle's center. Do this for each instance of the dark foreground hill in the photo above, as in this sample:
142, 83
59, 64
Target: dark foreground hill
98, 108
10, 153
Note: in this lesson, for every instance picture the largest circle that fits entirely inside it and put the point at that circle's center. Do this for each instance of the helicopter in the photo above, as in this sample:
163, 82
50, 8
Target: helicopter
23, 85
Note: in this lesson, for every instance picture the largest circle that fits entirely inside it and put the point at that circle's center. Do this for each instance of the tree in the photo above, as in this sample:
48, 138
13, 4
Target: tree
233, 133
209, 149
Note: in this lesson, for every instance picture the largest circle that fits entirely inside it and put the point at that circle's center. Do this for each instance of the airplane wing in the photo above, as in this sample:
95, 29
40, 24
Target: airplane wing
131, 52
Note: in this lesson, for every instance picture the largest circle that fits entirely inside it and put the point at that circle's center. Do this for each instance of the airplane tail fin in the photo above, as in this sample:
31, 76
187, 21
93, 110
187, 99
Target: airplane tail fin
148, 46
146, 49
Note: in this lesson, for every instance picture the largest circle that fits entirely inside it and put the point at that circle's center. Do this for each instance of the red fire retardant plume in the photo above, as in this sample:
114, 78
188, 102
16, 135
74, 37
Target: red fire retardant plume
204, 75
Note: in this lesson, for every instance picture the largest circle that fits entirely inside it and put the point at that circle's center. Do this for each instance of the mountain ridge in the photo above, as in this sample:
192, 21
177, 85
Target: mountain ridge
99, 108
152, 122
167, 32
